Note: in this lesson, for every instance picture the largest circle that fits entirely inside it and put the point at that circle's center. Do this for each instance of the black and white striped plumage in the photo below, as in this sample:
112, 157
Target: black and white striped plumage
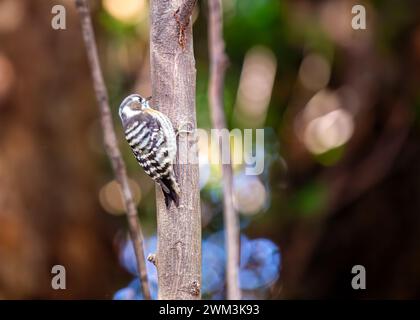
152, 138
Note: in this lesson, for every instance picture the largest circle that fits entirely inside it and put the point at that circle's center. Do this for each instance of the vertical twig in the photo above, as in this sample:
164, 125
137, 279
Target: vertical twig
218, 64
178, 258
110, 142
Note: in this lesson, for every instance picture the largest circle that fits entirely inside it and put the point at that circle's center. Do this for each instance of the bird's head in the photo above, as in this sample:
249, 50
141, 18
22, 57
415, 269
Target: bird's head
133, 105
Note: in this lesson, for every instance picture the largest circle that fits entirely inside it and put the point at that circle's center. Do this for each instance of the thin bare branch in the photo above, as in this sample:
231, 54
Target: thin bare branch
218, 64
110, 141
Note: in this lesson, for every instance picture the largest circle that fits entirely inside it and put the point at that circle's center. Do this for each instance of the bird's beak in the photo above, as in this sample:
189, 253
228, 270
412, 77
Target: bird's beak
148, 98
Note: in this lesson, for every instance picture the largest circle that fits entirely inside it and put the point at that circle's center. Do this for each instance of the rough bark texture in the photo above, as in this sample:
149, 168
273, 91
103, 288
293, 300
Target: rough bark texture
218, 64
178, 259
110, 142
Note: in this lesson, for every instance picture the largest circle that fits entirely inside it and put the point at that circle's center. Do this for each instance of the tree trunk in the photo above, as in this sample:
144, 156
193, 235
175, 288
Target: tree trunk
178, 258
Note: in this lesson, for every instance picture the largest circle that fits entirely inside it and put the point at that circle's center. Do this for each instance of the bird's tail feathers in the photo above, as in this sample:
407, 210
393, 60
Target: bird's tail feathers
170, 190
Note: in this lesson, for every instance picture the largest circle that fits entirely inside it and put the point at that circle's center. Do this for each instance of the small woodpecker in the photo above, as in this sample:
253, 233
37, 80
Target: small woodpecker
152, 138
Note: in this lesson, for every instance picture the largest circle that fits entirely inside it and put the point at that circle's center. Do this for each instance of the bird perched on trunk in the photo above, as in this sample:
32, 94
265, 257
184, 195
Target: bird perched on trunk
152, 138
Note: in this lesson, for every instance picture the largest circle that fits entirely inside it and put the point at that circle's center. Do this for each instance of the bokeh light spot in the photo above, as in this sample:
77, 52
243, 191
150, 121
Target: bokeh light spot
128, 11
314, 72
110, 196
255, 86
249, 195
329, 131
12, 13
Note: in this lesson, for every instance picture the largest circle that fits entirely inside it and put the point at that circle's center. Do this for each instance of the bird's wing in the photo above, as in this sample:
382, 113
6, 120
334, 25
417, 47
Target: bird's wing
148, 141
168, 130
